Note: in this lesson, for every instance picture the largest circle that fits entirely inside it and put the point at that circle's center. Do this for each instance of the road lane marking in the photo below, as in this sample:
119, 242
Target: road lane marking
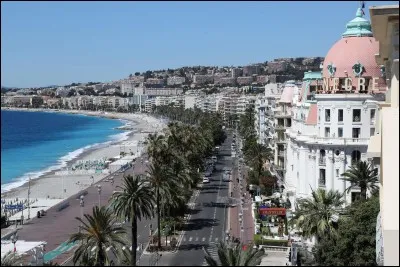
209, 240
216, 239
197, 239
190, 239
203, 239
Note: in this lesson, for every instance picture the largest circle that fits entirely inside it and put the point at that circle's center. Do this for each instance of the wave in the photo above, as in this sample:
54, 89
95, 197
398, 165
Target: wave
63, 161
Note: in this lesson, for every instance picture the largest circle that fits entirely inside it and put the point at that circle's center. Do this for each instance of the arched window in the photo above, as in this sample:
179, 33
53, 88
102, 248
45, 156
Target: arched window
322, 158
355, 156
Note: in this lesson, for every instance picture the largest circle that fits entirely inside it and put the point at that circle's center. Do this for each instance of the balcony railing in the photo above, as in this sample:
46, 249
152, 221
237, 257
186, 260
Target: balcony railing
280, 127
281, 153
322, 182
322, 161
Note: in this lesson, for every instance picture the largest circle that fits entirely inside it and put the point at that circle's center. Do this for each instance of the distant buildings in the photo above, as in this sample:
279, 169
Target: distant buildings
251, 70
175, 80
203, 79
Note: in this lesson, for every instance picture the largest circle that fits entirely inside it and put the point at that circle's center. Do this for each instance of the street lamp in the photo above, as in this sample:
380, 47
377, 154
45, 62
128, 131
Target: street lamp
14, 239
92, 179
99, 190
81, 204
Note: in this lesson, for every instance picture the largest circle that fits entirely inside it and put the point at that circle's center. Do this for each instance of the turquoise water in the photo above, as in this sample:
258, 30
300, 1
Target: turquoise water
33, 143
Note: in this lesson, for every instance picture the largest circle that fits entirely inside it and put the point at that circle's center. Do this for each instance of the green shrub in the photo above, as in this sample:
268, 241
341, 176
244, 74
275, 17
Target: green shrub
269, 242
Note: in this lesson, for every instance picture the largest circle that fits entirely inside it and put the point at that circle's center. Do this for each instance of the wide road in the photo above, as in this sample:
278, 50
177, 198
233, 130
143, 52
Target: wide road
206, 225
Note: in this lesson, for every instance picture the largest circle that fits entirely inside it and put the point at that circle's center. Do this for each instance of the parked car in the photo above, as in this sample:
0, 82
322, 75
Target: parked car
206, 180
226, 177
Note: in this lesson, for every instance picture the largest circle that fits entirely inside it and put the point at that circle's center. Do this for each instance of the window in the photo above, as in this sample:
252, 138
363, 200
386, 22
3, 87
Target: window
371, 131
355, 196
372, 115
337, 172
322, 158
340, 115
337, 152
355, 156
327, 115
322, 178
340, 132
356, 115
356, 132
327, 131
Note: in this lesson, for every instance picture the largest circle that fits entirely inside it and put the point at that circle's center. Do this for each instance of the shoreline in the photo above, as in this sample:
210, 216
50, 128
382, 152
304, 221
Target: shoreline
43, 186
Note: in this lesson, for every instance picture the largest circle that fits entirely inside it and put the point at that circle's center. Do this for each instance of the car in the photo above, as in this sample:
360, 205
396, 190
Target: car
226, 177
207, 174
206, 180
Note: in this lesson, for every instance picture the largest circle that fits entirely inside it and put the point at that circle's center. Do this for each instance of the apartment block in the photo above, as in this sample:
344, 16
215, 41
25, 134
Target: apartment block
236, 72
245, 80
251, 70
176, 80
162, 91
203, 79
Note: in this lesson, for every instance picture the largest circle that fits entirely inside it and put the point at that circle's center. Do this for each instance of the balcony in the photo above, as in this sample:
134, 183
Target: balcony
279, 114
281, 153
280, 127
322, 182
281, 141
322, 161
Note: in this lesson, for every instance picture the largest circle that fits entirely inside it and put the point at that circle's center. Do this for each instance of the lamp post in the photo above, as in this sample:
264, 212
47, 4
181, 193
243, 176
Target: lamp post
14, 239
91, 177
81, 204
99, 190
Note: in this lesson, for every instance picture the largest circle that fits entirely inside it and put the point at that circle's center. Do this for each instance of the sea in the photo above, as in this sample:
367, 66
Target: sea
35, 143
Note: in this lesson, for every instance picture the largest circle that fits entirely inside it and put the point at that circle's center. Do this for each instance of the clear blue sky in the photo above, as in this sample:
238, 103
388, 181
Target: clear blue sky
46, 43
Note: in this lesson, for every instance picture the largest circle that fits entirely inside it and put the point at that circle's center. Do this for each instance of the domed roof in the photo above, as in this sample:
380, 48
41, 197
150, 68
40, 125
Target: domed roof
347, 52
353, 55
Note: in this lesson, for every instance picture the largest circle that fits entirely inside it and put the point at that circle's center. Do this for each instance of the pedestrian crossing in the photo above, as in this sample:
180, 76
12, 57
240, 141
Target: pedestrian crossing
200, 239
213, 251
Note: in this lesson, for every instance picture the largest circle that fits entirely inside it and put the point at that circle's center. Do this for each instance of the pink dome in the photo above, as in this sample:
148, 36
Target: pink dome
349, 51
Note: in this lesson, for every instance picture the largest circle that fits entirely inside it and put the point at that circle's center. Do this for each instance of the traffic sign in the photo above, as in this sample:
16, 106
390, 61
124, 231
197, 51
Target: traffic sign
14, 207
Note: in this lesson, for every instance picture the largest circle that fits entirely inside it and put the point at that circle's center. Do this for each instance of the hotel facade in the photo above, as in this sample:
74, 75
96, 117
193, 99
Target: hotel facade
334, 115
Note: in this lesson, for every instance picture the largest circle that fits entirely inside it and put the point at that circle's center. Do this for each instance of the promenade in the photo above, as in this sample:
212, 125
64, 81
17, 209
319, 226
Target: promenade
57, 225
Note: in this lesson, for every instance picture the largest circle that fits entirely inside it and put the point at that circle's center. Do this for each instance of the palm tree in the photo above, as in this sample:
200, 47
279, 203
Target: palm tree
233, 255
100, 232
362, 175
316, 216
162, 181
11, 259
136, 200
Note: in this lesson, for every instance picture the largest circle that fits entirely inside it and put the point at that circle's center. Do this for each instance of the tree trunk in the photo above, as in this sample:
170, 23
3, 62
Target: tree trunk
158, 218
134, 241
363, 193
100, 255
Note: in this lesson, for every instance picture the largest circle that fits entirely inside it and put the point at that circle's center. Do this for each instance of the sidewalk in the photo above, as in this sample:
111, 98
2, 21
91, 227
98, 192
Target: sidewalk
248, 224
56, 227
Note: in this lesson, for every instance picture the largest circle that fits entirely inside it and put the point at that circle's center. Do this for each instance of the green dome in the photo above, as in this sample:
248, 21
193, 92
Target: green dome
358, 26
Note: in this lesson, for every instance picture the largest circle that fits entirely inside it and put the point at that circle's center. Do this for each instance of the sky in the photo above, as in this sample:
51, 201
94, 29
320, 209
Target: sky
57, 43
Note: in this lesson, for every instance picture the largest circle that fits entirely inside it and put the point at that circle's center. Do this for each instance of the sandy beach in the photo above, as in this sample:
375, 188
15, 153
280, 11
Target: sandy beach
51, 185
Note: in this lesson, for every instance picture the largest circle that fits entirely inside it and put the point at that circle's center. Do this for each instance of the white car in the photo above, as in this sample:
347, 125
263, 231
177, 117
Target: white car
206, 180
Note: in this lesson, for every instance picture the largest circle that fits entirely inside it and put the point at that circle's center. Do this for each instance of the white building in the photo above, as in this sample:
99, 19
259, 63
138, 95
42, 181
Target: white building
190, 101
383, 147
283, 121
334, 118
